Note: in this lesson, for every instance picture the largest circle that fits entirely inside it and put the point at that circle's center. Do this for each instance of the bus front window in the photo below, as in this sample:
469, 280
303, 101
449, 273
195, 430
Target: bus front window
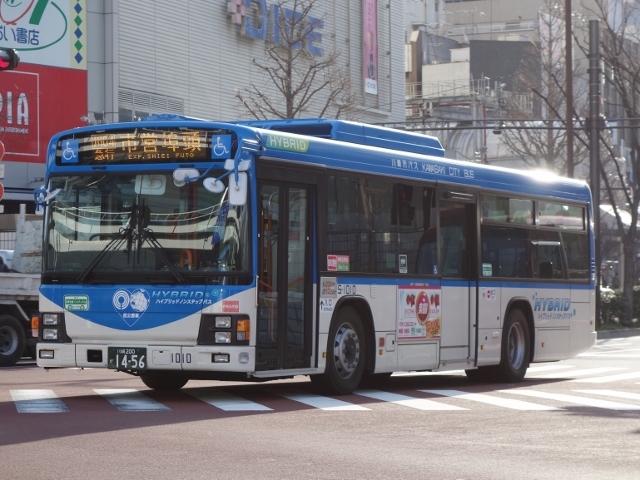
100, 226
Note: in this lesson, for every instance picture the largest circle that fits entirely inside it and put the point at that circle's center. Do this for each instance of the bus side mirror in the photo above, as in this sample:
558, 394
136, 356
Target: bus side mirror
238, 190
9, 58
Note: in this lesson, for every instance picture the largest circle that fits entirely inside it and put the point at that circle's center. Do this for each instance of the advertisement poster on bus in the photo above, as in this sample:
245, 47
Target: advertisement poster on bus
47, 92
419, 315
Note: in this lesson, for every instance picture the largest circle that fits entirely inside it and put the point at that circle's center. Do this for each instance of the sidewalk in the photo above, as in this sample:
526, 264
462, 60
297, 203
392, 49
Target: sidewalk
618, 333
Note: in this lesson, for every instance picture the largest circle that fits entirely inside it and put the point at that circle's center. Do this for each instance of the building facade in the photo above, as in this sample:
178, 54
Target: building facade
102, 61
192, 57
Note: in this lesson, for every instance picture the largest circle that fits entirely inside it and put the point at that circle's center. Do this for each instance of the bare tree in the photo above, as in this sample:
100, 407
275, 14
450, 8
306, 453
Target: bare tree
307, 82
620, 54
619, 167
543, 143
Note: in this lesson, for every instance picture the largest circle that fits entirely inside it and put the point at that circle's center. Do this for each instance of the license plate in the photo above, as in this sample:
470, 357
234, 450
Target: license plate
127, 358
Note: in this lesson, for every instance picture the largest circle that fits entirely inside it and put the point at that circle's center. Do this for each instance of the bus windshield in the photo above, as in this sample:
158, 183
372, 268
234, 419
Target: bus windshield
146, 226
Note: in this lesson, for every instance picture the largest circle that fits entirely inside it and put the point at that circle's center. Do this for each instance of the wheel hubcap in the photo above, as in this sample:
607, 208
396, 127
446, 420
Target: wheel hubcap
516, 346
346, 350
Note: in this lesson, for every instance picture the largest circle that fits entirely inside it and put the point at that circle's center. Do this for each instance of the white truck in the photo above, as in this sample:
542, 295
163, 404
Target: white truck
19, 290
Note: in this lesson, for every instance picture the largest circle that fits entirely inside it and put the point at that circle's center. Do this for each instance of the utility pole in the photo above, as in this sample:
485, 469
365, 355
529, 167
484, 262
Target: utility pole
594, 145
569, 85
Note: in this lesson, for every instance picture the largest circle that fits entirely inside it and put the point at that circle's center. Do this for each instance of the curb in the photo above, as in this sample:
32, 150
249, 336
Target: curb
618, 333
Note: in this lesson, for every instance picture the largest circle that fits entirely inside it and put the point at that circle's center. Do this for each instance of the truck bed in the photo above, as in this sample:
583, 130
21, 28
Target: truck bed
19, 286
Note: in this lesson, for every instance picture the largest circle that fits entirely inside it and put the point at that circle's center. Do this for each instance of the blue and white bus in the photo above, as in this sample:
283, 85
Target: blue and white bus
177, 249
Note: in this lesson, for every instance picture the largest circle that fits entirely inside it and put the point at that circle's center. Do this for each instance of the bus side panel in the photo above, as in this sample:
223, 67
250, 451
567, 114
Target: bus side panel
489, 323
583, 334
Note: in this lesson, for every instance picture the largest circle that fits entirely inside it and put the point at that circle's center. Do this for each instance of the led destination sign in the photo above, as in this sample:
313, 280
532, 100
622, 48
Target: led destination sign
145, 146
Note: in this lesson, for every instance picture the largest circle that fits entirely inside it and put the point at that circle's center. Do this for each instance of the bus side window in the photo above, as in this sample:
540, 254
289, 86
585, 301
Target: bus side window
546, 270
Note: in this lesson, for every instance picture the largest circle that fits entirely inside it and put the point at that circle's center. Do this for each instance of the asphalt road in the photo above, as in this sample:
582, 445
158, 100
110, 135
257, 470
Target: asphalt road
576, 419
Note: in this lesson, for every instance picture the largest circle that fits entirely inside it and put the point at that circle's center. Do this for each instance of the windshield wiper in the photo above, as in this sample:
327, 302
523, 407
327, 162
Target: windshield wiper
140, 217
124, 234
148, 236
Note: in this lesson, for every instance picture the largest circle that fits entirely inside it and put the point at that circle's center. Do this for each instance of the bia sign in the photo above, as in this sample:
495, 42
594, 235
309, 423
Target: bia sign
256, 20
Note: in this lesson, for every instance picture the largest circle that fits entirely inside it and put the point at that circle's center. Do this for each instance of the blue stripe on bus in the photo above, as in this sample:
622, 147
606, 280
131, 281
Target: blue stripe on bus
534, 283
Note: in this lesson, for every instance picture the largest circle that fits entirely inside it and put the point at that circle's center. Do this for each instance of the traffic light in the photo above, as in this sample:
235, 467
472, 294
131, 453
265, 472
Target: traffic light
9, 58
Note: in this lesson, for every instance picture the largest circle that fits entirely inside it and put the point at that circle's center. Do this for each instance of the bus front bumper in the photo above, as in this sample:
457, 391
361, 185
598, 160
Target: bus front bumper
199, 358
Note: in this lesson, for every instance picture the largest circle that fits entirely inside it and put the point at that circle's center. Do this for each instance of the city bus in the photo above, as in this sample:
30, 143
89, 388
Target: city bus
177, 248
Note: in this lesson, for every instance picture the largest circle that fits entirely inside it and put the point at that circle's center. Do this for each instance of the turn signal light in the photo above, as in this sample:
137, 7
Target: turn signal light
243, 329
35, 323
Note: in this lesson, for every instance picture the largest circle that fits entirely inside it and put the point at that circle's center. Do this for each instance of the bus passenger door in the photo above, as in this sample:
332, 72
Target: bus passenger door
459, 277
284, 278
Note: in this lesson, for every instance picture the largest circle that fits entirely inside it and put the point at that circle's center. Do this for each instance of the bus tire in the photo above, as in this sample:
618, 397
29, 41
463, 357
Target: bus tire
12, 340
345, 352
166, 381
516, 346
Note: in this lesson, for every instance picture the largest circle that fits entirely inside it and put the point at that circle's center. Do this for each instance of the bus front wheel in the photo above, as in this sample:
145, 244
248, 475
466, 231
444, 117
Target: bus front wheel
516, 347
345, 354
167, 381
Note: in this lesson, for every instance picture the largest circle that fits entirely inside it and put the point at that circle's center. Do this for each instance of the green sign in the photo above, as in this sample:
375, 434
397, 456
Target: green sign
487, 270
76, 302
287, 142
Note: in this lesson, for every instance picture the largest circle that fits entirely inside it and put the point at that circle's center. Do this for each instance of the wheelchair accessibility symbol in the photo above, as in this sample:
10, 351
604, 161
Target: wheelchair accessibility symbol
221, 146
70, 151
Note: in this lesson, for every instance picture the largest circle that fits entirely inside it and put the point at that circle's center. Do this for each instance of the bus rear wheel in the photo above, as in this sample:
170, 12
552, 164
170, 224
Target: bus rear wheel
516, 348
345, 354
167, 381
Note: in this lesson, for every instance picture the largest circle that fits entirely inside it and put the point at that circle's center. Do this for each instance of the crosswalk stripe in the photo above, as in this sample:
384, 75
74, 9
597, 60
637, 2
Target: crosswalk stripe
323, 403
227, 401
547, 368
613, 393
488, 399
37, 401
609, 378
579, 373
627, 353
574, 399
130, 400
411, 402
427, 374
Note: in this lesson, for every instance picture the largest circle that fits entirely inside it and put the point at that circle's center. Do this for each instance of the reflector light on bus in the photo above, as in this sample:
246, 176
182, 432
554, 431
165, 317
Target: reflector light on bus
46, 353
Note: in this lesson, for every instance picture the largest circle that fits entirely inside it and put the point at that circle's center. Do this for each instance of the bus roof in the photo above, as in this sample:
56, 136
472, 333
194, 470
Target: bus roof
403, 163
354, 132
367, 149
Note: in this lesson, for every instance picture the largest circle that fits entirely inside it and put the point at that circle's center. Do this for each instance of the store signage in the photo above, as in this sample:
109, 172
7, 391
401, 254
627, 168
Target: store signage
255, 18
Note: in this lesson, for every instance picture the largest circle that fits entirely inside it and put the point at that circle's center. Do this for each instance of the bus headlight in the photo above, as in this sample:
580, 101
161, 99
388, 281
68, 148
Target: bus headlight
49, 333
50, 319
223, 322
223, 337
